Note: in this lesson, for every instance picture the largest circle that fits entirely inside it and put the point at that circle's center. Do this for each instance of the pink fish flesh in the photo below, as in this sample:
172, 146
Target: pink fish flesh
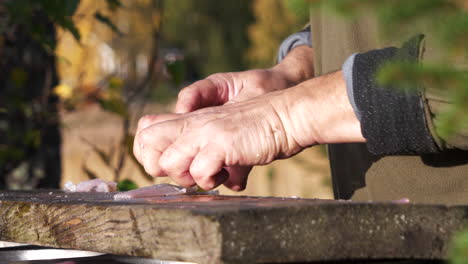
163, 189
96, 185
402, 201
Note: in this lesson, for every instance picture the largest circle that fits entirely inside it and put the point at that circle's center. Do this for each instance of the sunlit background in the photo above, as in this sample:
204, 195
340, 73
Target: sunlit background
136, 62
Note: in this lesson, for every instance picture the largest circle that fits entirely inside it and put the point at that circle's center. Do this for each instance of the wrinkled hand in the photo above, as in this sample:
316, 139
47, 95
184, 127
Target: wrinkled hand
221, 88
216, 145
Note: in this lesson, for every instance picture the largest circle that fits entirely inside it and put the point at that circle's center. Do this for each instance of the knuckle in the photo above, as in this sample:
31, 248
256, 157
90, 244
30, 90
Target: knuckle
197, 176
183, 93
165, 163
171, 161
144, 121
183, 179
206, 184
153, 170
261, 82
187, 92
143, 138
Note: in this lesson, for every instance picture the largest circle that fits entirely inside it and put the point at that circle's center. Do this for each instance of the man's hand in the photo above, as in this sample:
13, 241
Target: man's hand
216, 145
220, 88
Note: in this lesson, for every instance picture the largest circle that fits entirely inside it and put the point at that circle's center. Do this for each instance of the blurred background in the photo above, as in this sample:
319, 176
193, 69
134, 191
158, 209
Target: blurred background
76, 75
118, 60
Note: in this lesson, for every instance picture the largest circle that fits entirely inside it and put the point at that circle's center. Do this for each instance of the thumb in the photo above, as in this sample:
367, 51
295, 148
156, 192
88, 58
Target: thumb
149, 120
201, 94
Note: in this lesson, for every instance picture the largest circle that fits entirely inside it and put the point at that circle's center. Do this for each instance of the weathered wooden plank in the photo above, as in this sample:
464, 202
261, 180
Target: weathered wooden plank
222, 229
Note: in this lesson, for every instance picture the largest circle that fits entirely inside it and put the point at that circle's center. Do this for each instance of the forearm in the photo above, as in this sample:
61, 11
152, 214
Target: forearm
319, 112
297, 66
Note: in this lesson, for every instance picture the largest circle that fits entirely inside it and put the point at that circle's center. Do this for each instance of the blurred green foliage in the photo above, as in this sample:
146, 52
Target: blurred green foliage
458, 252
298, 7
274, 21
114, 158
177, 71
28, 119
211, 33
29, 107
446, 22
23, 11
126, 185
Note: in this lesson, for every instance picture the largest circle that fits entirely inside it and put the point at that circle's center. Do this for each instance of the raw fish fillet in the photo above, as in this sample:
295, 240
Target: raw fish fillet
96, 185
163, 189
402, 201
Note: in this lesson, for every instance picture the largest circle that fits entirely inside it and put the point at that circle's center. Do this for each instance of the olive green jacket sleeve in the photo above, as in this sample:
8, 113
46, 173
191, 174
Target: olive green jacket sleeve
357, 174
436, 104
396, 127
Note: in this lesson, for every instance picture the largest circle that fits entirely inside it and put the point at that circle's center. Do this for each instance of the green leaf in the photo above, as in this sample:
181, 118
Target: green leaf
177, 71
115, 85
459, 249
59, 8
115, 105
61, 12
70, 26
107, 21
271, 174
298, 7
70, 6
18, 76
126, 185
32, 138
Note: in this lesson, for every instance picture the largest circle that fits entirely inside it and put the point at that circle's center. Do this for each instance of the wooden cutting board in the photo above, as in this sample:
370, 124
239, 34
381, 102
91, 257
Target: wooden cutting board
229, 229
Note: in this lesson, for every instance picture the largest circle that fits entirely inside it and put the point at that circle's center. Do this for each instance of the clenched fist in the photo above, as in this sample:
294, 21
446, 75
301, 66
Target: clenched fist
216, 145
223, 88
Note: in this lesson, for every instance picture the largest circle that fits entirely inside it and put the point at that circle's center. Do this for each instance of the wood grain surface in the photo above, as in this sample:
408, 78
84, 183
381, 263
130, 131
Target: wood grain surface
229, 229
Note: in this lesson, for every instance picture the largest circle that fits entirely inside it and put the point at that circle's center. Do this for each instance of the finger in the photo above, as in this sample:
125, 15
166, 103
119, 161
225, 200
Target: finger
144, 122
184, 179
238, 175
221, 177
136, 149
148, 120
176, 160
205, 168
153, 141
150, 161
201, 94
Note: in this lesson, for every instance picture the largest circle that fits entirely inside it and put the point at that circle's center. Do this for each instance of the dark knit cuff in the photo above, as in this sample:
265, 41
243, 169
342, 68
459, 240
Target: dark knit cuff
392, 120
